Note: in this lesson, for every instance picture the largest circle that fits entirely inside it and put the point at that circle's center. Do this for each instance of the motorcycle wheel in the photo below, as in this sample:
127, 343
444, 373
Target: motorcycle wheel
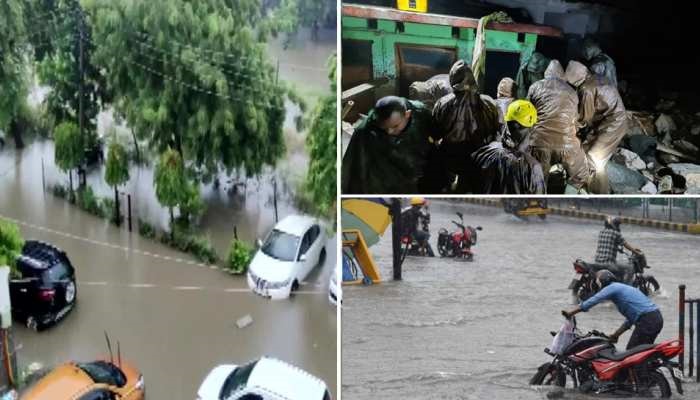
583, 293
657, 386
548, 374
442, 250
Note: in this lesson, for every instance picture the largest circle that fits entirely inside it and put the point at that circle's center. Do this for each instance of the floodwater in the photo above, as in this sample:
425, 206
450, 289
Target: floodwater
460, 330
174, 318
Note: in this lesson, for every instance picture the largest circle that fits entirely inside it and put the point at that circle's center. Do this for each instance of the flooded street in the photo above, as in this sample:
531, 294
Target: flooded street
461, 330
175, 319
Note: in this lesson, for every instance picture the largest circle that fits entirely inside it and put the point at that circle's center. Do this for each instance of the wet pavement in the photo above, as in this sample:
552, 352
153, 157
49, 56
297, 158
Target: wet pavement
461, 330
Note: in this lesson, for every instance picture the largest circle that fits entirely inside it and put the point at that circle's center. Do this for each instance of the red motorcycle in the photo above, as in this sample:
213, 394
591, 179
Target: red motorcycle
594, 366
458, 243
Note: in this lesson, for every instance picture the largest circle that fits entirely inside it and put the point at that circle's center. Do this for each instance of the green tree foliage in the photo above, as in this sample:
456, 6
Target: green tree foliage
286, 16
194, 76
13, 66
170, 182
69, 149
11, 243
321, 143
116, 172
57, 49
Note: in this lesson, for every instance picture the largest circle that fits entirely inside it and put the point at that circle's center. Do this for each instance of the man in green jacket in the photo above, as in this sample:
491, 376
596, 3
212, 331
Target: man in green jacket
389, 150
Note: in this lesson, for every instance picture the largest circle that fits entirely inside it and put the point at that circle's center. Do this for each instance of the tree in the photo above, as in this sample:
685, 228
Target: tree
321, 143
116, 172
194, 77
171, 183
69, 149
11, 243
58, 49
13, 67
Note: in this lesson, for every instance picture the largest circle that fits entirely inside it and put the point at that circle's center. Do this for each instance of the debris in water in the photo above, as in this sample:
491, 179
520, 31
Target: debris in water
245, 321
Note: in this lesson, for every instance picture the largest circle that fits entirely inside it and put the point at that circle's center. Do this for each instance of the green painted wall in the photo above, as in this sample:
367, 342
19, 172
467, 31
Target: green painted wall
385, 37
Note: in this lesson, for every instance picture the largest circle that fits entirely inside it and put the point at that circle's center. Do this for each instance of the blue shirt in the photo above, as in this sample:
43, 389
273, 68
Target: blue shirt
629, 301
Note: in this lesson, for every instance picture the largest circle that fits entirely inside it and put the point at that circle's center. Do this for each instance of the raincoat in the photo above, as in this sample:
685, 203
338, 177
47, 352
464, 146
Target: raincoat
430, 91
531, 70
601, 109
600, 63
507, 171
464, 121
378, 163
553, 138
505, 94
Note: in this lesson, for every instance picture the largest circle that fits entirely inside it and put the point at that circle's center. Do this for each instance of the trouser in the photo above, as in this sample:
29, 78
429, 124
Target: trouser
573, 158
607, 137
457, 161
646, 329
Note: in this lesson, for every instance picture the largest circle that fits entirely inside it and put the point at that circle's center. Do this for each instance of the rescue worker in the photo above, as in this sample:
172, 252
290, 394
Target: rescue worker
505, 94
637, 309
506, 167
598, 62
430, 91
603, 114
531, 71
464, 121
553, 139
388, 151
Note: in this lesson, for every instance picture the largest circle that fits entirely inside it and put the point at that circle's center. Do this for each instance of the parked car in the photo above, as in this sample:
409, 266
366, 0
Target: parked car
335, 291
291, 250
46, 289
97, 380
263, 379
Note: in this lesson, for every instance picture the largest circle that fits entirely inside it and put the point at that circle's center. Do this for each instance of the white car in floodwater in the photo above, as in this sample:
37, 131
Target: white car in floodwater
263, 379
289, 253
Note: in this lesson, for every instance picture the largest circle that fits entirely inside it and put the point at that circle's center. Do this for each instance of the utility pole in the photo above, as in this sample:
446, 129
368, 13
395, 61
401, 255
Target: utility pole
81, 93
396, 237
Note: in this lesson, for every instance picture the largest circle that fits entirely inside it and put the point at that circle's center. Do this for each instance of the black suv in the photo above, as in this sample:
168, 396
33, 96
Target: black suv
46, 290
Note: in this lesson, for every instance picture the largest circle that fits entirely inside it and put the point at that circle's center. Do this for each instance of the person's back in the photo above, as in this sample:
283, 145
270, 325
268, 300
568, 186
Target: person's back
507, 171
630, 301
557, 110
609, 242
600, 63
430, 91
601, 102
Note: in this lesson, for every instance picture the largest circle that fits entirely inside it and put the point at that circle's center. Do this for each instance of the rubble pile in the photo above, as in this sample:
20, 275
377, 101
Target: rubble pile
660, 153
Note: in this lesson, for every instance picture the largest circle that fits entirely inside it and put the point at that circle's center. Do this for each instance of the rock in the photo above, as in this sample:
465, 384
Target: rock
691, 173
244, 321
623, 179
695, 130
666, 184
649, 188
667, 140
685, 147
644, 146
632, 159
647, 174
665, 124
668, 158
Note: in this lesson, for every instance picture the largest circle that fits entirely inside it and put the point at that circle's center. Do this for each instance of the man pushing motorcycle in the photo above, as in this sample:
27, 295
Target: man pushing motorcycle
416, 221
637, 309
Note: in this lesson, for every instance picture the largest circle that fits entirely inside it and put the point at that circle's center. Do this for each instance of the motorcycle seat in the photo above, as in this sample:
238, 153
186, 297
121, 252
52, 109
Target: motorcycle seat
610, 354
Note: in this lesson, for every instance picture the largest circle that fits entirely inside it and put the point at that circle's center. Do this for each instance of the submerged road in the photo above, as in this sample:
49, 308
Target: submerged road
175, 318
461, 330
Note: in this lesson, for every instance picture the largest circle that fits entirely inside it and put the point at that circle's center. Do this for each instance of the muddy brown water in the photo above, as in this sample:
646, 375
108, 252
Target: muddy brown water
175, 319
460, 330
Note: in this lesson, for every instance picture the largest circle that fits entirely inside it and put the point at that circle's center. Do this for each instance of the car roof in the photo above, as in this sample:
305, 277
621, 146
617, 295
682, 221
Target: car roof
39, 255
64, 382
286, 380
295, 224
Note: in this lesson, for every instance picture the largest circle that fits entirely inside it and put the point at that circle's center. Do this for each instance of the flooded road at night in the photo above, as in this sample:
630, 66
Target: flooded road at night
477, 330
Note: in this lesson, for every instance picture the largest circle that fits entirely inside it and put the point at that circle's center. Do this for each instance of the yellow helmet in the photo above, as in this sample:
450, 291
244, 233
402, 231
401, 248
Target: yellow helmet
417, 201
523, 112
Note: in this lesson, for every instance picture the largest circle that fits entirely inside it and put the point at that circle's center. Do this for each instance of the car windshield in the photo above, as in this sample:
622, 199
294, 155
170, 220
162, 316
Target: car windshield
57, 272
237, 380
281, 245
104, 372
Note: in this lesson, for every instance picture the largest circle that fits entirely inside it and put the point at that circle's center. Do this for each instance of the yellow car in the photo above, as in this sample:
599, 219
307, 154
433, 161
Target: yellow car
523, 208
97, 380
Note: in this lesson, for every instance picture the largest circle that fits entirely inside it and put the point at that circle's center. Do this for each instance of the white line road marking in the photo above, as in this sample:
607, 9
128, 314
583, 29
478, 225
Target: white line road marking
141, 285
236, 290
188, 288
93, 283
